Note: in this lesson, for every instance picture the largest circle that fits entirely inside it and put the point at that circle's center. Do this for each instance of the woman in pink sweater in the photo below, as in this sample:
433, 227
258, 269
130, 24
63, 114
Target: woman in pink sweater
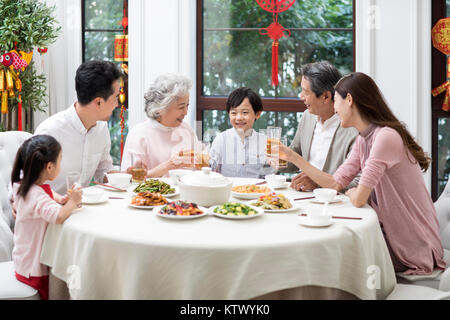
390, 162
37, 205
159, 142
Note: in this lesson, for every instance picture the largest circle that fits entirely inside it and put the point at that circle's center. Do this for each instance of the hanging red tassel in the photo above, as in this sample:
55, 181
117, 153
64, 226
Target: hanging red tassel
275, 31
275, 63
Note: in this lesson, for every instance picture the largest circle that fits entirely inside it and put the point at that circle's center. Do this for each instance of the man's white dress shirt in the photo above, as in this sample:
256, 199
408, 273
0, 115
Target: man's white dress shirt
83, 151
321, 141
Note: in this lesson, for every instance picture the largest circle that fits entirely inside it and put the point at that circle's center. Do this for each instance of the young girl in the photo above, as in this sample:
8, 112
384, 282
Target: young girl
37, 160
390, 162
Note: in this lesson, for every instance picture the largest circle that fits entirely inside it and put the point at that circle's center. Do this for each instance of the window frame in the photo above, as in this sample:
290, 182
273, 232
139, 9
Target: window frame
438, 76
270, 104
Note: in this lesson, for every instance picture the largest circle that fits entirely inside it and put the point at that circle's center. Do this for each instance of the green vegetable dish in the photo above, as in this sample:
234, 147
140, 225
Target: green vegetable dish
155, 186
235, 209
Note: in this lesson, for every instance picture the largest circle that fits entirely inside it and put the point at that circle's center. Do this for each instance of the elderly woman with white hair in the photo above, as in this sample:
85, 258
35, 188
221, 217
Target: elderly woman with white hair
157, 142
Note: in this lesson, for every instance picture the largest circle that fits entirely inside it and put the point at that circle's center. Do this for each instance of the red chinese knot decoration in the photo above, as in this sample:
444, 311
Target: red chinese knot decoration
440, 35
275, 31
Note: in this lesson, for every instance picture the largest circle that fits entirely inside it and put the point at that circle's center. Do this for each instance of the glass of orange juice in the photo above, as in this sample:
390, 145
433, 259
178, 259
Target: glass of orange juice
273, 138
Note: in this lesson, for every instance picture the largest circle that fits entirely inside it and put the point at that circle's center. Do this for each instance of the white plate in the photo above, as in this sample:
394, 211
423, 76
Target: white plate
103, 198
142, 207
337, 199
156, 212
294, 207
258, 210
247, 196
307, 222
284, 186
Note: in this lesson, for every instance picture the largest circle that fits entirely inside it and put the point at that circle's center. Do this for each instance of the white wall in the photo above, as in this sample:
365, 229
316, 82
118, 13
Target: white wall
393, 45
62, 59
161, 37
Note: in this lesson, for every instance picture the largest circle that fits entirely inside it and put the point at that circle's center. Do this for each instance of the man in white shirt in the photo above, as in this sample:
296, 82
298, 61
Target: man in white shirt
82, 129
320, 139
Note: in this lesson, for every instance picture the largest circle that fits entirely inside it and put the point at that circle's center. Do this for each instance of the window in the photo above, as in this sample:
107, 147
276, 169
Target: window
234, 54
101, 22
440, 119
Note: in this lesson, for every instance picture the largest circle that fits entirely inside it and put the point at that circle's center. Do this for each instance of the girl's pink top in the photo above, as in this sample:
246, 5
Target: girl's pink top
404, 207
154, 143
34, 213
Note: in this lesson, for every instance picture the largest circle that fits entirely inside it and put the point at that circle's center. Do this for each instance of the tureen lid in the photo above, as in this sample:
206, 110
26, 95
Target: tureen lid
204, 178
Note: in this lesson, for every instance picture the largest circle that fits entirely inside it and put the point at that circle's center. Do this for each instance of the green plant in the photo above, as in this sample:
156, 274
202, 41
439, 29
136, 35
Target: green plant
24, 26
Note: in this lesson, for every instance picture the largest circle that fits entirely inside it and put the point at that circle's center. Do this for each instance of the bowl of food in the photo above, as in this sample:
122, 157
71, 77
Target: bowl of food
249, 191
274, 202
155, 186
119, 179
205, 188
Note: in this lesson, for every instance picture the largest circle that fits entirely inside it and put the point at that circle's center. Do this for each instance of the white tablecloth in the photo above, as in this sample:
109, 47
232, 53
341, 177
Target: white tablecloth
113, 251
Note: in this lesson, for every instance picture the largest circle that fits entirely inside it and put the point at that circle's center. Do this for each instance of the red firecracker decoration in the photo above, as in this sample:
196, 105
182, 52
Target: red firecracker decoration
121, 54
275, 31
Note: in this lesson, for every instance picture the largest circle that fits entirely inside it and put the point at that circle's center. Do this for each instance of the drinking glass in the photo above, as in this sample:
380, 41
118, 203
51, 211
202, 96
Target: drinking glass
73, 180
282, 163
138, 172
273, 137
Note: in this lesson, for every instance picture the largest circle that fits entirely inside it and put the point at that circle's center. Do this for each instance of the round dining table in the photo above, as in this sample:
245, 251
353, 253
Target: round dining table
111, 250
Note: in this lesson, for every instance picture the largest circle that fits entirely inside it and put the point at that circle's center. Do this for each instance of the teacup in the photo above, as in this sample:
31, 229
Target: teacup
325, 194
319, 219
119, 180
275, 180
93, 194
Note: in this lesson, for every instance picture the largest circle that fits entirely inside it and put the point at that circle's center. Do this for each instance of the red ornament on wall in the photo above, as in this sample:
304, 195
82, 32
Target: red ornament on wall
275, 31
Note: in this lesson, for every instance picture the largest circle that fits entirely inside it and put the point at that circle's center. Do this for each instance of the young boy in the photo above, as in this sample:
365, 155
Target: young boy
240, 151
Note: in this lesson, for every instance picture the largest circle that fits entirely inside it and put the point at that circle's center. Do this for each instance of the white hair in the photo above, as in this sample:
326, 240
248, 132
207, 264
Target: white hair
163, 91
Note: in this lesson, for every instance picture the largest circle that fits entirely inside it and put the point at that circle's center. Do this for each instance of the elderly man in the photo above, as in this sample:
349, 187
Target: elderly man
320, 139
82, 129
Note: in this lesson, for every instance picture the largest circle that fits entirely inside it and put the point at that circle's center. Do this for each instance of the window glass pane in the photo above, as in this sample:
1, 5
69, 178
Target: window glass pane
103, 14
448, 8
443, 159
303, 14
233, 59
216, 121
99, 46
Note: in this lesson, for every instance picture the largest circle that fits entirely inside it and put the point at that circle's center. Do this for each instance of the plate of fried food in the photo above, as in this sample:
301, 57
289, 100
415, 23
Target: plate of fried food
236, 210
249, 191
274, 203
156, 186
147, 200
180, 210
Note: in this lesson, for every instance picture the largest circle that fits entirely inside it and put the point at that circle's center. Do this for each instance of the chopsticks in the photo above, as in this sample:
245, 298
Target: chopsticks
259, 183
335, 217
304, 198
116, 198
108, 186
